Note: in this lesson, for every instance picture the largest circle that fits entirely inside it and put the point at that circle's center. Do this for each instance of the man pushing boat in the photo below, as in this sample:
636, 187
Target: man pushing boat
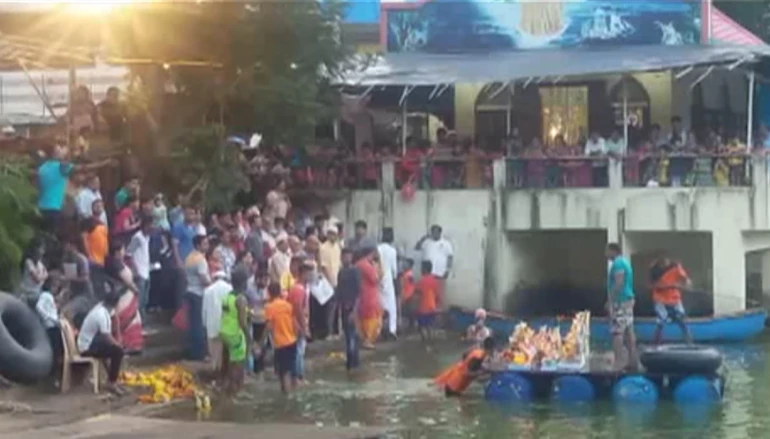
667, 279
456, 379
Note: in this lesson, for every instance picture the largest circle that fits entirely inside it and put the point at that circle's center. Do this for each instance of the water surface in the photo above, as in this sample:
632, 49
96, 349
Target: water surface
393, 389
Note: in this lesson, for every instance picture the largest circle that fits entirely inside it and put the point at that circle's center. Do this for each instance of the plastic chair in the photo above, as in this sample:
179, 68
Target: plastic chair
72, 356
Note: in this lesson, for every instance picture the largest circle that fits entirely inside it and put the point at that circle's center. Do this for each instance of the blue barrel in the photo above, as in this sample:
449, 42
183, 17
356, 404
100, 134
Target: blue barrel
572, 388
635, 389
697, 390
508, 387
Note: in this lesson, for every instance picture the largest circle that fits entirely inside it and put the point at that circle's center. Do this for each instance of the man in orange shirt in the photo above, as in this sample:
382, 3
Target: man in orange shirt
283, 325
428, 298
299, 300
668, 278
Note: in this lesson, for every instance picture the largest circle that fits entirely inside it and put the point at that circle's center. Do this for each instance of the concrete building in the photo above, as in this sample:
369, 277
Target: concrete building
524, 250
512, 242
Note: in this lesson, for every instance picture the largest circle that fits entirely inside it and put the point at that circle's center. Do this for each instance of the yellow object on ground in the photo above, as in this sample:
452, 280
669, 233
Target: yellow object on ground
165, 383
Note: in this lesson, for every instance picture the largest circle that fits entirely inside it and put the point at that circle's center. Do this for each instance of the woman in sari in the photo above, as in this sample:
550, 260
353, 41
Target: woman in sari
369, 308
127, 318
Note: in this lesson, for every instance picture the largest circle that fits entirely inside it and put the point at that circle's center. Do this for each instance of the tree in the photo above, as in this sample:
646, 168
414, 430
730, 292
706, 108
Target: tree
17, 211
212, 171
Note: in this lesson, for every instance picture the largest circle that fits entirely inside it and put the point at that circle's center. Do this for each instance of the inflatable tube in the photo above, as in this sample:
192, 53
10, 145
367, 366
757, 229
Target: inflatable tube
508, 387
697, 390
25, 351
572, 388
681, 359
635, 389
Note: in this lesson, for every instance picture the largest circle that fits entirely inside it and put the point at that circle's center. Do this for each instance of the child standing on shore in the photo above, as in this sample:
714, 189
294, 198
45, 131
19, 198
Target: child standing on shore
283, 325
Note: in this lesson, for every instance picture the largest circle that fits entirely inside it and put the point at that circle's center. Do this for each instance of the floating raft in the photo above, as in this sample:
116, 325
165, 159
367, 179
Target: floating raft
598, 381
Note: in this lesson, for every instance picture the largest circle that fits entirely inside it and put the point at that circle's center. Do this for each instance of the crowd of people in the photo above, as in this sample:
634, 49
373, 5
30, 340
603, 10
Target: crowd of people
678, 157
246, 285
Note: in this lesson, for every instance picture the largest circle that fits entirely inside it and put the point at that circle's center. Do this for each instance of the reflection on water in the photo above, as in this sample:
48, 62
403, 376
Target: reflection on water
393, 389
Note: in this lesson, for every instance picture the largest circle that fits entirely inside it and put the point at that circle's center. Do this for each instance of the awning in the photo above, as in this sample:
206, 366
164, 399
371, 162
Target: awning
725, 30
431, 69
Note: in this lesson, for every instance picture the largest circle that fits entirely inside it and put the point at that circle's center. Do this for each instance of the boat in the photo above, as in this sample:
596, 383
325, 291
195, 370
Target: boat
735, 327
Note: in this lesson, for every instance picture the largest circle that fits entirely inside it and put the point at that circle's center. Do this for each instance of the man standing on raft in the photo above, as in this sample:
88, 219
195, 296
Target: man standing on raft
620, 305
668, 279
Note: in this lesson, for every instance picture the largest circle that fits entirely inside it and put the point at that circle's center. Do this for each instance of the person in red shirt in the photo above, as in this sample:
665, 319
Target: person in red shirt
298, 297
427, 291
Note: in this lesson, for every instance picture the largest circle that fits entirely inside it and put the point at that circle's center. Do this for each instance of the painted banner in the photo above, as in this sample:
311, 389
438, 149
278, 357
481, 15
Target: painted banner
442, 26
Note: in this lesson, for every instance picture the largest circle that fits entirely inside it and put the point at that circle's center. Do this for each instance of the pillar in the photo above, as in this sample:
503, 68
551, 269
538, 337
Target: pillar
728, 271
765, 270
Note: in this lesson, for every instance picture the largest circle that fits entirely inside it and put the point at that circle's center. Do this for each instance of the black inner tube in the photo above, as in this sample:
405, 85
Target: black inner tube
17, 328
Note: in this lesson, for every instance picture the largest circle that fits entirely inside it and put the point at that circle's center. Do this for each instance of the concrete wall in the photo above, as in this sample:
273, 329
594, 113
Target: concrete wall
504, 238
463, 214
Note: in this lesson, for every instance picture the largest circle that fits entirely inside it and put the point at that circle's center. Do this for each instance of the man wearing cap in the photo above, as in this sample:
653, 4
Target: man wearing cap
330, 258
279, 263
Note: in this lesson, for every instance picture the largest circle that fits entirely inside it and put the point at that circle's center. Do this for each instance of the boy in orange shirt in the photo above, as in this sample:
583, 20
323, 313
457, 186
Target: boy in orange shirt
428, 299
283, 325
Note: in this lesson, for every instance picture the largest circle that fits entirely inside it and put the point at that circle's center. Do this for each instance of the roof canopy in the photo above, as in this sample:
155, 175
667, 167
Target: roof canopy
407, 69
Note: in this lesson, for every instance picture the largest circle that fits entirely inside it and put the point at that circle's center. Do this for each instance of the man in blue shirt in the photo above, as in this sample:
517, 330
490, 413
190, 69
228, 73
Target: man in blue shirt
183, 234
620, 305
52, 178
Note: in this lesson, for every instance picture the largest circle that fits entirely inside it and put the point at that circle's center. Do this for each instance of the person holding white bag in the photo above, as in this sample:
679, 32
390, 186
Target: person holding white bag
389, 262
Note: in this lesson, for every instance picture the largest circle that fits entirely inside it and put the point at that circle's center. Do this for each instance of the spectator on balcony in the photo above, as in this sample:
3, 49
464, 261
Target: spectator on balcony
535, 163
82, 112
410, 163
703, 167
678, 136
737, 162
616, 145
473, 166
597, 148
368, 166
514, 143
113, 113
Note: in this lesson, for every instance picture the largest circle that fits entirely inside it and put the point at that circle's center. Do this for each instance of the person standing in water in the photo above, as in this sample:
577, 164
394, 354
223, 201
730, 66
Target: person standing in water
620, 305
668, 278
232, 332
283, 325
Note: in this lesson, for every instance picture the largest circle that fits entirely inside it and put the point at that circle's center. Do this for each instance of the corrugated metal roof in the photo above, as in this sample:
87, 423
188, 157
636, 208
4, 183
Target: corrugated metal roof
430, 69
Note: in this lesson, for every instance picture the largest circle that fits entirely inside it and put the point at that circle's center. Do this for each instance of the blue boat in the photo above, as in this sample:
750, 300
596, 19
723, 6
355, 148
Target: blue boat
736, 327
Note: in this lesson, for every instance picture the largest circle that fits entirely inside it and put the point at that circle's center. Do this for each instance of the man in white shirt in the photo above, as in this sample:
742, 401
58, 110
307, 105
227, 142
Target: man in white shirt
84, 200
212, 315
596, 147
439, 252
278, 264
139, 253
95, 339
389, 261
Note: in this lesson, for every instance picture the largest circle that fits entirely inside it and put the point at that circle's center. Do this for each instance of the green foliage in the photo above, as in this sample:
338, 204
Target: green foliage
279, 61
17, 211
211, 170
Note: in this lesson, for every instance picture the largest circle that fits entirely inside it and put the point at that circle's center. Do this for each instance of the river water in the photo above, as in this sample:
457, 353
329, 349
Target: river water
392, 389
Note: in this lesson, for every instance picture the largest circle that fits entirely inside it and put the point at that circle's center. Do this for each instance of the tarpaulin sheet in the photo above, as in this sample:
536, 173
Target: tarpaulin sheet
431, 69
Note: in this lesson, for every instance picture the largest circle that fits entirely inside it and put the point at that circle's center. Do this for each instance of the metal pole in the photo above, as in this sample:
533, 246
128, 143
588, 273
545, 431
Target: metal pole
625, 115
750, 113
404, 116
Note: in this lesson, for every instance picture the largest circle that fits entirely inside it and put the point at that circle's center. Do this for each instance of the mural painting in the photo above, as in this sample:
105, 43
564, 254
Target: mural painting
443, 26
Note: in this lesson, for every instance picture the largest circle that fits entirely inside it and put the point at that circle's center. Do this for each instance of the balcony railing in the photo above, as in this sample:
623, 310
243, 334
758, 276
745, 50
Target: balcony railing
690, 170
478, 172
